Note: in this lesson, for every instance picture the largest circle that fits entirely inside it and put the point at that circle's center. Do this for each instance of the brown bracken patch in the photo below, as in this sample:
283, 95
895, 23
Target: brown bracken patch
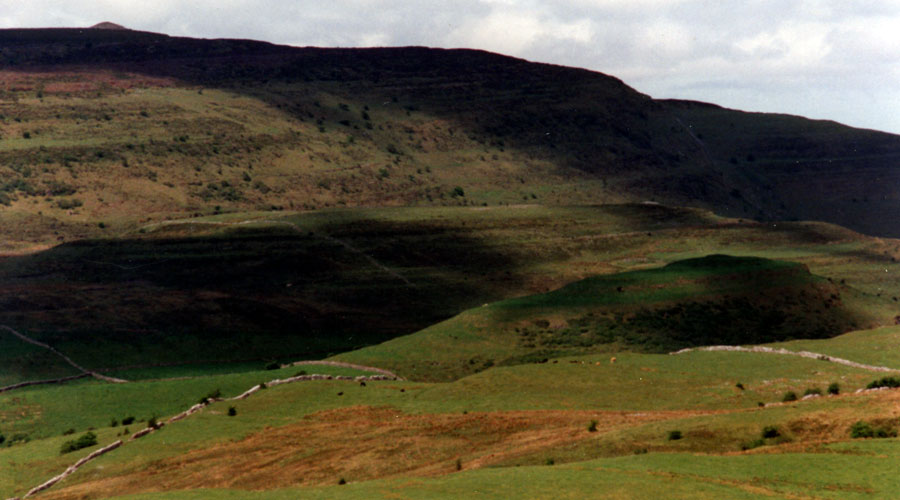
362, 443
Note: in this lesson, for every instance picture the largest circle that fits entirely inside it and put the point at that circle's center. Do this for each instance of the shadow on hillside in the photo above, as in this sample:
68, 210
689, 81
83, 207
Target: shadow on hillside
250, 295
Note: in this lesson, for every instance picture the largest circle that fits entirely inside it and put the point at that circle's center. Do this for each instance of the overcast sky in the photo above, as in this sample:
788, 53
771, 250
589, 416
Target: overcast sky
832, 59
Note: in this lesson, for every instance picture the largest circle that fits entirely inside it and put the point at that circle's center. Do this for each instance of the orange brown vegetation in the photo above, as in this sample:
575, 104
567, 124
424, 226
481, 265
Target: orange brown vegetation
362, 443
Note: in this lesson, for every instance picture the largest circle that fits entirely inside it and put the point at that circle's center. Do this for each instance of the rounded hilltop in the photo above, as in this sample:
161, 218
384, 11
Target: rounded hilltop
106, 25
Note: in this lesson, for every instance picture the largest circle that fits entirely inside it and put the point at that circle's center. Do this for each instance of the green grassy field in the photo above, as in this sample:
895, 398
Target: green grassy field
638, 400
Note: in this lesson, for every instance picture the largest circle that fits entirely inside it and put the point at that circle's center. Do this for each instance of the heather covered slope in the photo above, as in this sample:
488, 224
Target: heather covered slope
134, 125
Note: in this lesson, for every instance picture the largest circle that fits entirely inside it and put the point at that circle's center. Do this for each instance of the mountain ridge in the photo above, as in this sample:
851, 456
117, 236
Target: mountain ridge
571, 135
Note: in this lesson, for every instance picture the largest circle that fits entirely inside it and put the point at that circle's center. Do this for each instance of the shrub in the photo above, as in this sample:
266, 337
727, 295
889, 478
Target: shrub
756, 443
127, 420
770, 431
152, 423
114, 423
2, 438
789, 396
864, 430
458, 192
342, 481
26, 135
273, 366
861, 430
549, 461
891, 382
592, 426
834, 388
232, 411
87, 440
812, 390
739, 386
675, 435
458, 464
69, 432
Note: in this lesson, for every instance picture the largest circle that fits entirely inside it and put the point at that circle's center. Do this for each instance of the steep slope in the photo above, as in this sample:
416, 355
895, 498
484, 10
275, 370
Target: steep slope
126, 122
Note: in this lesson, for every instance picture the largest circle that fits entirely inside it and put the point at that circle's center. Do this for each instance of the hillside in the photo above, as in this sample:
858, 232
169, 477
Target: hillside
712, 300
258, 287
119, 126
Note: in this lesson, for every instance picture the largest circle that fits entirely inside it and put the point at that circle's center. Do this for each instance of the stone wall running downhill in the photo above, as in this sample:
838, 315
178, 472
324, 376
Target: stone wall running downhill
384, 375
41, 382
72, 468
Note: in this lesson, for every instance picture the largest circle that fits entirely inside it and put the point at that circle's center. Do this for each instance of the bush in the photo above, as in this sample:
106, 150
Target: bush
592, 427
457, 192
770, 431
152, 423
812, 390
273, 366
342, 481
864, 430
789, 396
756, 443
232, 411
114, 423
891, 382
675, 435
87, 440
739, 386
127, 420
2, 438
69, 432
834, 389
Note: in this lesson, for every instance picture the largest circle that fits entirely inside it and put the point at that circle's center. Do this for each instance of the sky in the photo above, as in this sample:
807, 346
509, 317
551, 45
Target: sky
825, 59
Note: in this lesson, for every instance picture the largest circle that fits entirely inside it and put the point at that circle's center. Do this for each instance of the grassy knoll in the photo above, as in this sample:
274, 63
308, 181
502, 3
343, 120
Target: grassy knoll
712, 300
